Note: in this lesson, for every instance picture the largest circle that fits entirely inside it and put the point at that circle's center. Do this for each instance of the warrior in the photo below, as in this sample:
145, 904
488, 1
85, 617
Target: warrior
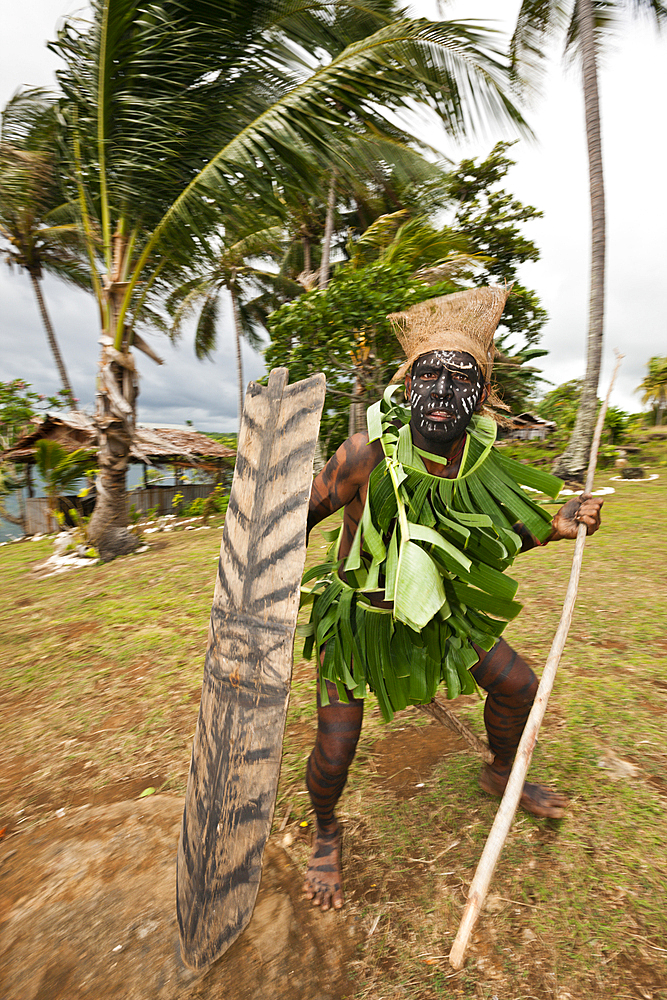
415, 593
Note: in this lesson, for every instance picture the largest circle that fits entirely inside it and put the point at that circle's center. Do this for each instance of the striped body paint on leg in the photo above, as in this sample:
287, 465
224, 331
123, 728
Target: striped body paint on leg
511, 686
338, 729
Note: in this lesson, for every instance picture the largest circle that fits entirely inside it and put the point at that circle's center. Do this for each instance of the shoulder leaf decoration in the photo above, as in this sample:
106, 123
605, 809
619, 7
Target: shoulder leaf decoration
433, 550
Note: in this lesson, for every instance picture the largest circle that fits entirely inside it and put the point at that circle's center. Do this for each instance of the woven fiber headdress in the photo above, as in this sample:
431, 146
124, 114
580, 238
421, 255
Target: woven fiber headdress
464, 321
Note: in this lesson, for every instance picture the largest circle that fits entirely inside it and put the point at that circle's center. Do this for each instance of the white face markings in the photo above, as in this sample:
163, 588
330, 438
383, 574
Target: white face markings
446, 387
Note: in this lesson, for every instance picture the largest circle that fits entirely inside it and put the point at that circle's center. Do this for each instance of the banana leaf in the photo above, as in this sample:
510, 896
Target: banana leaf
438, 547
419, 590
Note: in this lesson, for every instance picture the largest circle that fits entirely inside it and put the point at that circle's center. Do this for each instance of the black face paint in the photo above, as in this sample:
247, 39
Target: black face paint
445, 390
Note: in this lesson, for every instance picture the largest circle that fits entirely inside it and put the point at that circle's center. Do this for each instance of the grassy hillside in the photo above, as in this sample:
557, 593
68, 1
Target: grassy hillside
101, 670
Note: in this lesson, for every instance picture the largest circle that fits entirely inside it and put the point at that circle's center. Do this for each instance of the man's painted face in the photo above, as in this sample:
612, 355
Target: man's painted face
445, 390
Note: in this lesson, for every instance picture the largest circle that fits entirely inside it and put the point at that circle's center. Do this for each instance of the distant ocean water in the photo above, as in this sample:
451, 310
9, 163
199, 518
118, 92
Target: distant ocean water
7, 530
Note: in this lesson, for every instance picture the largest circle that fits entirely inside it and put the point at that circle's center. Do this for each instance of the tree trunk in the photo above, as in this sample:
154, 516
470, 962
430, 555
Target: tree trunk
51, 337
356, 421
328, 232
574, 460
305, 242
237, 339
117, 390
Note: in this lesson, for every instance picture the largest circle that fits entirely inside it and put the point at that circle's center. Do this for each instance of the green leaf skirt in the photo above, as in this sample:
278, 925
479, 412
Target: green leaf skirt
436, 549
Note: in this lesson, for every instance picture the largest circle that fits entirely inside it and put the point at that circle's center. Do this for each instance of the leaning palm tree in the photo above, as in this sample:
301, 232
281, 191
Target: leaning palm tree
583, 23
653, 387
37, 231
235, 273
182, 114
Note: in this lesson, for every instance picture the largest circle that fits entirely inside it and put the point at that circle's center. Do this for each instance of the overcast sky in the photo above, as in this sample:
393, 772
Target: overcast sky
550, 174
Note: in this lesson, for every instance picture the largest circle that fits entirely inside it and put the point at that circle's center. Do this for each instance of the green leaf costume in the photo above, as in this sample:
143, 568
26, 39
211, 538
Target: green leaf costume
437, 549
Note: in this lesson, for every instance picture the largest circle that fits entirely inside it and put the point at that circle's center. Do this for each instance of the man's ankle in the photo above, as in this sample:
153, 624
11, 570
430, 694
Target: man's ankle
327, 830
501, 765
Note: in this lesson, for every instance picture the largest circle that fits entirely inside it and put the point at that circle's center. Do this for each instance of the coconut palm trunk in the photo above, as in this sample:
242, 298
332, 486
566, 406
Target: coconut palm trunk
305, 242
328, 232
575, 458
355, 421
51, 337
117, 391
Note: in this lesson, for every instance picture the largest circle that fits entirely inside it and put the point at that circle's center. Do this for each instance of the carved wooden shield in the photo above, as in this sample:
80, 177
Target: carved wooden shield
238, 740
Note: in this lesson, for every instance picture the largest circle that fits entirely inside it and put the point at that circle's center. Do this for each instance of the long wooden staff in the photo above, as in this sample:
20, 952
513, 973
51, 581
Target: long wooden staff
503, 821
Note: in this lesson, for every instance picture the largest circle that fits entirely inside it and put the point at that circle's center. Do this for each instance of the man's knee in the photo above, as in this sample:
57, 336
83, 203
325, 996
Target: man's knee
338, 729
503, 673
334, 699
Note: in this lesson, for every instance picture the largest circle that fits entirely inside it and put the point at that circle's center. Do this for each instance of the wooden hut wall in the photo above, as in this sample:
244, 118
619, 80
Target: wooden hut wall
39, 521
162, 496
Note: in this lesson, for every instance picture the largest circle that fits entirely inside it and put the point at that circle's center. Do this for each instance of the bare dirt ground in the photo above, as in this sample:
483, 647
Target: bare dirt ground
88, 908
87, 902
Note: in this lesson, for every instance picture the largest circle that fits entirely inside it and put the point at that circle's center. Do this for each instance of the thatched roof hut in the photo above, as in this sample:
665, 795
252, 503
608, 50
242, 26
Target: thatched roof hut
529, 427
155, 445
178, 447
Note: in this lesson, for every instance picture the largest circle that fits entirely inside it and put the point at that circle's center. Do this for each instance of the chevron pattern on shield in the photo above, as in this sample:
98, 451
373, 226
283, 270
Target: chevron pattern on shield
236, 754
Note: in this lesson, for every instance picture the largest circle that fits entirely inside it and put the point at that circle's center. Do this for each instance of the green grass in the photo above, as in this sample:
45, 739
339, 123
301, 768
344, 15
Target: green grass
101, 670
651, 441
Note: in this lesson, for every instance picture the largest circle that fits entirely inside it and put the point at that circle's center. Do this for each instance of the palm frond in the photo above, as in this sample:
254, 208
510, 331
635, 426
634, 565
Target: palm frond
251, 321
36, 219
182, 301
539, 22
206, 333
376, 238
27, 119
449, 66
257, 243
59, 468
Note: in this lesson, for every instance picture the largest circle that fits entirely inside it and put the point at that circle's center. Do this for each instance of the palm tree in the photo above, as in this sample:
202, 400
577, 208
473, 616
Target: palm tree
291, 247
324, 38
36, 236
397, 177
61, 469
584, 23
653, 386
233, 272
183, 114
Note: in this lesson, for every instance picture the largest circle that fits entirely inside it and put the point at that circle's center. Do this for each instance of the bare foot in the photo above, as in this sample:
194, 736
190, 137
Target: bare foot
323, 875
535, 799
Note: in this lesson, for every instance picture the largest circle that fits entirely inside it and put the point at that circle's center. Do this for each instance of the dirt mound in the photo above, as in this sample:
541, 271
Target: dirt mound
87, 910
406, 757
